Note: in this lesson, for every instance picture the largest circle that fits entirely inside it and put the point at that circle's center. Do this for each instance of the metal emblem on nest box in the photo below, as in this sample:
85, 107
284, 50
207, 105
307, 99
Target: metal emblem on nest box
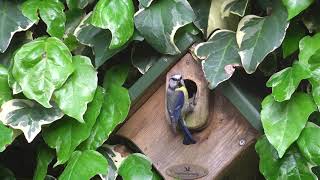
187, 171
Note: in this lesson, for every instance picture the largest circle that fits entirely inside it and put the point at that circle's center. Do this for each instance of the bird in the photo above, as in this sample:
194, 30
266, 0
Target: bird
178, 106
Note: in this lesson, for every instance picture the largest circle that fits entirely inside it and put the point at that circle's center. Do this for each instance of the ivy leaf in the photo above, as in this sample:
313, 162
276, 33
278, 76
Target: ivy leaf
77, 4
315, 90
12, 21
27, 116
117, 16
84, 165
73, 19
114, 160
257, 37
44, 158
115, 108
290, 43
5, 91
136, 166
97, 38
201, 10
308, 46
286, 81
42, 66
159, 27
6, 137
283, 121
50, 11
294, 7
145, 3
78, 91
218, 21
143, 57
65, 135
220, 55
308, 143
292, 166
237, 7
13, 84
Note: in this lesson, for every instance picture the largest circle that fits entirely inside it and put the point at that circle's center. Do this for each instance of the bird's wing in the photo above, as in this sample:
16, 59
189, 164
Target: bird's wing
175, 102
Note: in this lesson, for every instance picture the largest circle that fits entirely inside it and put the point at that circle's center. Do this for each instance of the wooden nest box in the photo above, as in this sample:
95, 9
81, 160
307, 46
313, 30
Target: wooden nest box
225, 139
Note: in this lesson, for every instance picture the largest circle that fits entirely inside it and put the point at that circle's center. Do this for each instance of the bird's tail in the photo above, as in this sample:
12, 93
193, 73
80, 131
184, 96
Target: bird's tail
188, 139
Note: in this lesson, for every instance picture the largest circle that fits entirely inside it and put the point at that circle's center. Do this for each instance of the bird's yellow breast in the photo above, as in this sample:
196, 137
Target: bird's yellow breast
185, 92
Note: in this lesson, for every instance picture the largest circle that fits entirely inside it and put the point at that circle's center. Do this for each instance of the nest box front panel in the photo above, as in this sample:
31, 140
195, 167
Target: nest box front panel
226, 136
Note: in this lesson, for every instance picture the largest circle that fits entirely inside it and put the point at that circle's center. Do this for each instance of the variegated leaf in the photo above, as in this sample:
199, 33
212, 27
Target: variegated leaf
98, 39
220, 57
159, 23
257, 37
12, 21
237, 7
28, 116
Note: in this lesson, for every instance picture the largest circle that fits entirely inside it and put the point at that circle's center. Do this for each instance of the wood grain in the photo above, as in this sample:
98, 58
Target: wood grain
217, 146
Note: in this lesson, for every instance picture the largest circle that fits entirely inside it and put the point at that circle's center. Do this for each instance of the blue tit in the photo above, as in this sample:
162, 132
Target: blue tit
178, 107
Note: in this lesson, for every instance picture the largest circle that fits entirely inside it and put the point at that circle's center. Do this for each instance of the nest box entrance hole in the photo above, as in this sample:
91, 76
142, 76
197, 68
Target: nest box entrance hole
191, 87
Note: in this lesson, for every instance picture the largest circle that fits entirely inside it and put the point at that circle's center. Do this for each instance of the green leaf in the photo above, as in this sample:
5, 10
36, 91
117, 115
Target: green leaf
97, 38
65, 135
220, 55
283, 121
6, 137
286, 81
79, 89
50, 11
294, 7
44, 158
6, 174
201, 10
292, 166
308, 143
257, 37
42, 66
308, 46
290, 43
115, 108
12, 21
136, 166
13, 84
84, 165
117, 16
5, 91
314, 65
27, 116
315, 90
237, 7
159, 23
77, 4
